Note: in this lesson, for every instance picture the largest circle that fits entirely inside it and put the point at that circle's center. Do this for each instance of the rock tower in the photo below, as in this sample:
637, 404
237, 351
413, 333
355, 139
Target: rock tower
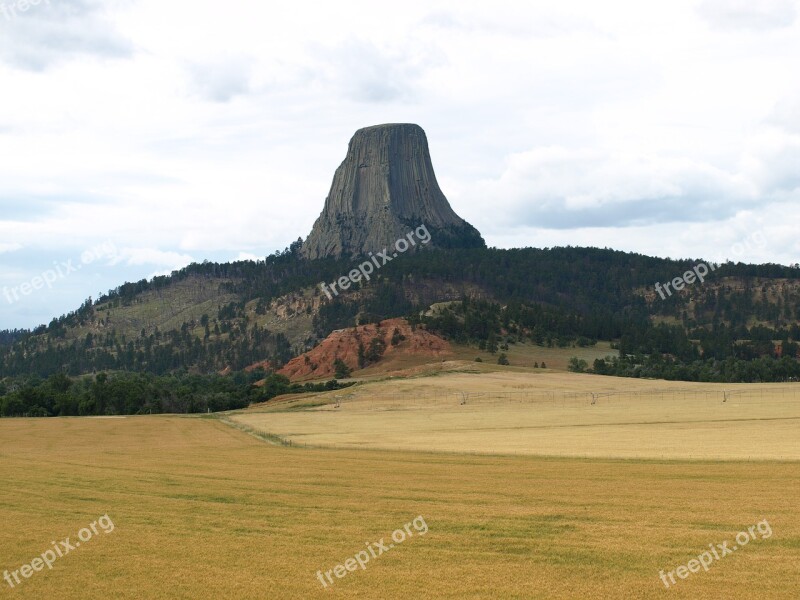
384, 189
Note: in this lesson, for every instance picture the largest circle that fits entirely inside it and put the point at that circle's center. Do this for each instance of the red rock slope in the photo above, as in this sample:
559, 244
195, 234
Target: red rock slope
343, 343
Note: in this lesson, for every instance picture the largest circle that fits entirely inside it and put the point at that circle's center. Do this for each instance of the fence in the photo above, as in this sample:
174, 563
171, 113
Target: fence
416, 399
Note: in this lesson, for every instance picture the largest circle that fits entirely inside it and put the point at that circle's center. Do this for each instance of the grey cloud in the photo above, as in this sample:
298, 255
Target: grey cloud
692, 208
29, 207
53, 31
540, 26
221, 81
755, 15
786, 115
561, 189
781, 170
366, 73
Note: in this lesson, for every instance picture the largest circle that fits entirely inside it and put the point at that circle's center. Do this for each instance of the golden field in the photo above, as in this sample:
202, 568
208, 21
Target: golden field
205, 510
546, 414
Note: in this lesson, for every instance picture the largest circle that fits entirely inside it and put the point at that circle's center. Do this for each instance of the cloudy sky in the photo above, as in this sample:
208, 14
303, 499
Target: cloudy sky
137, 136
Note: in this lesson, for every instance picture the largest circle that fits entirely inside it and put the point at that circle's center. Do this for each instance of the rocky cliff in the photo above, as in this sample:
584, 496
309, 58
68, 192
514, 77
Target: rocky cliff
384, 189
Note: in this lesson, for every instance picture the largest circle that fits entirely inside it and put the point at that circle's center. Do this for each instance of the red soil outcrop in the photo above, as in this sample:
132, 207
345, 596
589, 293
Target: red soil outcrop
344, 344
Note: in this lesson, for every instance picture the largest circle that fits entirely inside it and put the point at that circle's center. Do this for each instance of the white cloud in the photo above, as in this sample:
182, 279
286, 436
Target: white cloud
248, 256
221, 80
6, 247
748, 14
786, 114
561, 188
37, 34
152, 256
772, 160
199, 130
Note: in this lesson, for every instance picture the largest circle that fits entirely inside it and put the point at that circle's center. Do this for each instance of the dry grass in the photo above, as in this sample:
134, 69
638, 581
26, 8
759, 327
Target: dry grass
522, 358
204, 511
167, 308
514, 413
528, 354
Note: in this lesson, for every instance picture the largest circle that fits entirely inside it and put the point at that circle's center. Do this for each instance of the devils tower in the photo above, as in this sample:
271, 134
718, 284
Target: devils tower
385, 188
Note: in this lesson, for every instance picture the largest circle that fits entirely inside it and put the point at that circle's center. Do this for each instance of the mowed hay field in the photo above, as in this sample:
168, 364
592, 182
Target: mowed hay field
202, 510
546, 414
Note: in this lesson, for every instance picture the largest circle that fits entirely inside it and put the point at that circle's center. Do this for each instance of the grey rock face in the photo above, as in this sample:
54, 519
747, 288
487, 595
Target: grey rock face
384, 189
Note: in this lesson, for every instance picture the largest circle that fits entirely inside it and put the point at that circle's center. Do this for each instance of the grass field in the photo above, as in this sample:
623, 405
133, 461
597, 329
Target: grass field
202, 510
522, 357
215, 506
547, 414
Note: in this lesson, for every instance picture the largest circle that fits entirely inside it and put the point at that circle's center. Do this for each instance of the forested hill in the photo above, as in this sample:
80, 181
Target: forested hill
209, 317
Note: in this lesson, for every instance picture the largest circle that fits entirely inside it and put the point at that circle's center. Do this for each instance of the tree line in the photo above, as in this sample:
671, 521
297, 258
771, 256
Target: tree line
144, 393
553, 296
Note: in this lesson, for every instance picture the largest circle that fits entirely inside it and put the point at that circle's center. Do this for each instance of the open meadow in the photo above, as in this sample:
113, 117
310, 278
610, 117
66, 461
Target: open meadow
201, 509
546, 414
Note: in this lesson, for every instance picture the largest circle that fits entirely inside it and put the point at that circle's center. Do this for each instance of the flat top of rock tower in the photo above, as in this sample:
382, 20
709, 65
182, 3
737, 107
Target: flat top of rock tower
389, 126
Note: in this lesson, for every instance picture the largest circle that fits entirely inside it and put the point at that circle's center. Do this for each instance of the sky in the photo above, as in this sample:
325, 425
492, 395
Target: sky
138, 136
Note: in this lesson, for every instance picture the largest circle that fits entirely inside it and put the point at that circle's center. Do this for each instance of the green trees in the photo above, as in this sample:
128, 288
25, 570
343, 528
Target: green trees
143, 393
12, 406
577, 365
555, 297
376, 349
342, 371
730, 370
397, 337
362, 356
490, 325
